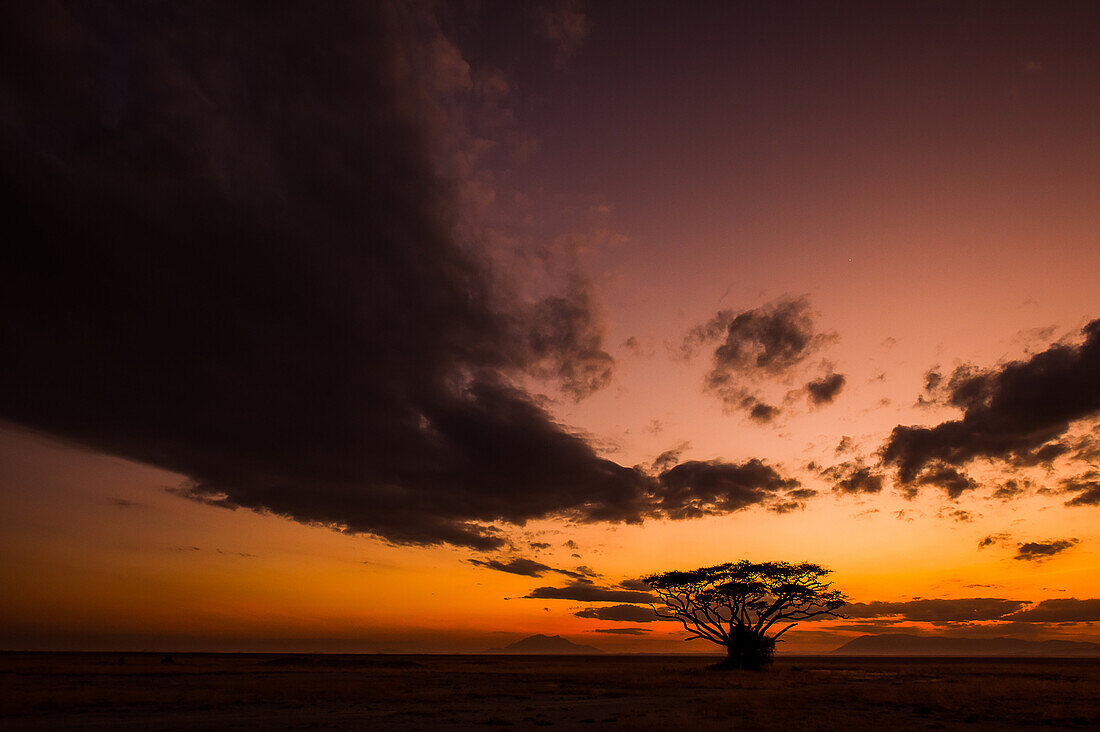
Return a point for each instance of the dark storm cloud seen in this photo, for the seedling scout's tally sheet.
(1010, 413)
(234, 261)
(623, 631)
(1038, 551)
(1061, 610)
(853, 477)
(765, 342)
(937, 610)
(620, 613)
(586, 591)
(825, 390)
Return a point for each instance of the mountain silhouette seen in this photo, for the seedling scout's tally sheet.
(546, 644)
(902, 644)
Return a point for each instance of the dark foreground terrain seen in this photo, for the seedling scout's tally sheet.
(199, 691)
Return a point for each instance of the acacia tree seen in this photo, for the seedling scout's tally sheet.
(737, 604)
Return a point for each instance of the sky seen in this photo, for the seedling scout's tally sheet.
(423, 327)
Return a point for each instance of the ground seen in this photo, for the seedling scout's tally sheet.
(199, 691)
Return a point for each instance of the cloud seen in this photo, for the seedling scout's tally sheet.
(635, 584)
(529, 567)
(937, 610)
(620, 613)
(1061, 610)
(1011, 488)
(566, 343)
(1039, 551)
(1010, 413)
(623, 631)
(992, 539)
(954, 482)
(586, 591)
(762, 343)
(826, 389)
(564, 24)
(537, 545)
(669, 457)
(275, 305)
(519, 565)
(1087, 488)
(852, 477)
(700, 488)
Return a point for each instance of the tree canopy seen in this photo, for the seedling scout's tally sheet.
(738, 604)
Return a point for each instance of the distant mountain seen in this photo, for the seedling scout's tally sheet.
(901, 644)
(546, 644)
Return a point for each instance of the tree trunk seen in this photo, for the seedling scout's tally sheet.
(748, 651)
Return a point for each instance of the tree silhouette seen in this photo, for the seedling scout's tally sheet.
(737, 604)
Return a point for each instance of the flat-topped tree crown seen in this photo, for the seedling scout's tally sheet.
(737, 604)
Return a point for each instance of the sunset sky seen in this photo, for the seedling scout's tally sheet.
(422, 326)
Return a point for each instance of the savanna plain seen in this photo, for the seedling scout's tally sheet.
(262, 691)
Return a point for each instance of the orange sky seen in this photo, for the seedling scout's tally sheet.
(927, 185)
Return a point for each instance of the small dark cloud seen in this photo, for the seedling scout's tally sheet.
(701, 488)
(186, 549)
(634, 584)
(125, 503)
(519, 565)
(782, 507)
(844, 445)
(1011, 488)
(1087, 488)
(669, 457)
(1039, 551)
(961, 516)
(992, 539)
(937, 610)
(537, 545)
(762, 343)
(1010, 413)
(826, 389)
(620, 613)
(586, 591)
(951, 480)
(530, 568)
(761, 412)
(623, 631)
(853, 478)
